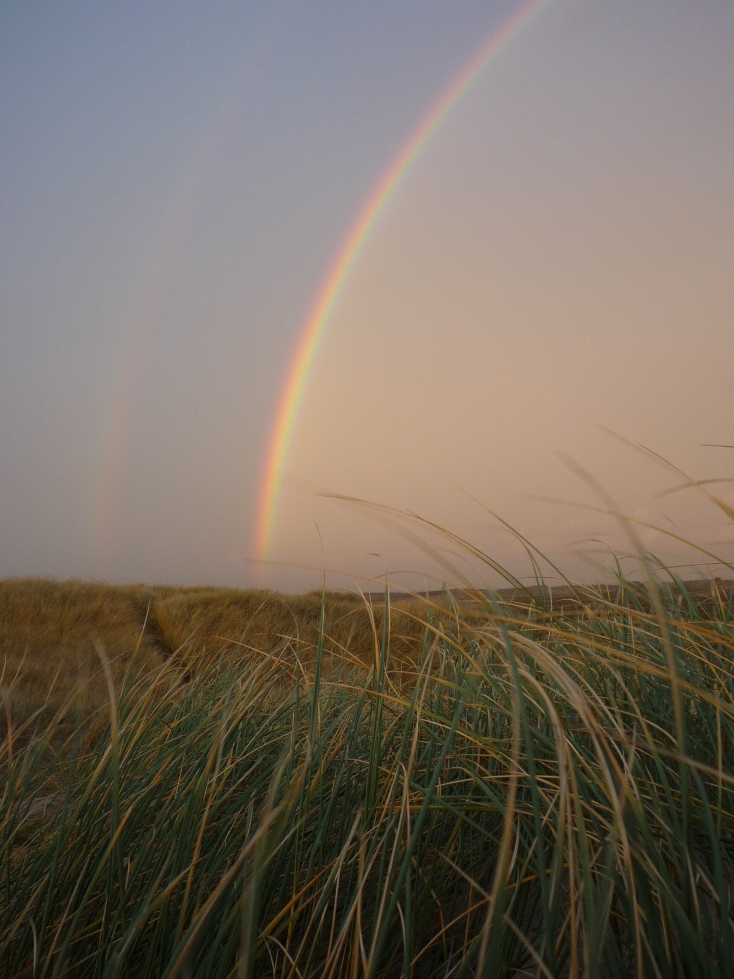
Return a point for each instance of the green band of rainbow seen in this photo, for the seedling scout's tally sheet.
(314, 327)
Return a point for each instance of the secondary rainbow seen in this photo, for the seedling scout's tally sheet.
(318, 318)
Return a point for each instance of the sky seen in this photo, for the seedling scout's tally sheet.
(547, 288)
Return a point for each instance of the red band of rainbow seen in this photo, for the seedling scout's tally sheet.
(314, 327)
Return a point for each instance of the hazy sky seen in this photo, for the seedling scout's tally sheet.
(176, 180)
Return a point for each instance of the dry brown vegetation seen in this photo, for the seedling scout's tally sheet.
(48, 632)
(51, 633)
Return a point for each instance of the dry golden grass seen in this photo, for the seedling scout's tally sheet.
(209, 623)
(48, 634)
(51, 633)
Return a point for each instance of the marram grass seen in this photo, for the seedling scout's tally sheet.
(537, 791)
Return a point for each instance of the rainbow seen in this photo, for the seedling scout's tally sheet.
(332, 286)
(116, 422)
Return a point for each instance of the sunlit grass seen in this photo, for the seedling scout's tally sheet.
(536, 790)
(49, 631)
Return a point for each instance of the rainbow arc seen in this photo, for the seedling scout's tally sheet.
(315, 325)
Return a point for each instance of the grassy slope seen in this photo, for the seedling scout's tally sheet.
(47, 639)
(541, 791)
(50, 632)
